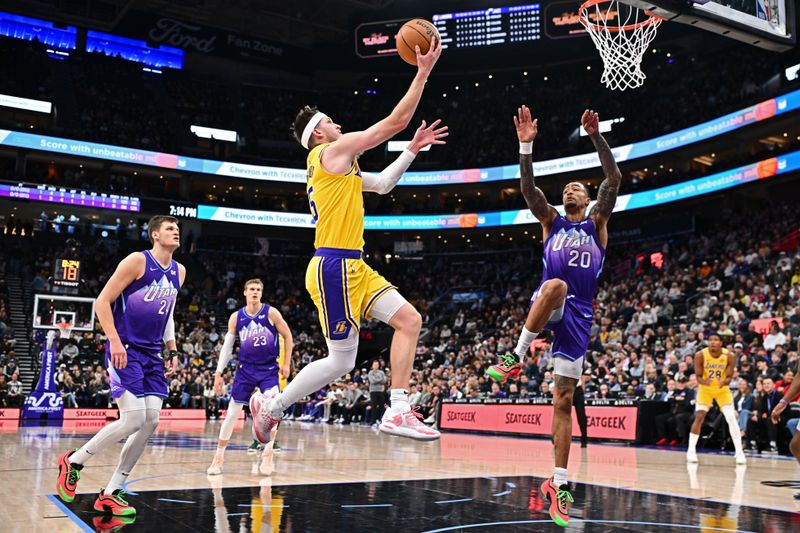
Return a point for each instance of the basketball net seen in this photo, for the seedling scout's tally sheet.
(622, 34)
(64, 329)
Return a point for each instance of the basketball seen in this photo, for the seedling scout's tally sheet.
(415, 32)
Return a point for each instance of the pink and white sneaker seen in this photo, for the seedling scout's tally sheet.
(407, 424)
(262, 421)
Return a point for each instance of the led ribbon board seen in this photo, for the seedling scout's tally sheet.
(701, 132)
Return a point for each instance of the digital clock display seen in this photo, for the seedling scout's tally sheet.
(67, 272)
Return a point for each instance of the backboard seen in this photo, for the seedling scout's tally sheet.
(769, 24)
(51, 309)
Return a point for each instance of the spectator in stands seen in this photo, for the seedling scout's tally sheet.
(743, 404)
(14, 391)
(3, 391)
(775, 337)
(377, 396)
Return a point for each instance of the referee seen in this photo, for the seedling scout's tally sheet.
(579, 402)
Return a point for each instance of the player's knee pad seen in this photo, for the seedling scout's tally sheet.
(133, 420)
(342, 357)
(387, 305)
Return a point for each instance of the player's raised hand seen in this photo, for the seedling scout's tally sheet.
(425, 62)
(527, 128)
(119, 356)
(427, 135)
(590, 122)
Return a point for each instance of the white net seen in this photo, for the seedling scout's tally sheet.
(64, 330)
(622, 34)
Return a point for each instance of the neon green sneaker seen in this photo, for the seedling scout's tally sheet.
(560, 498)
(509, 367)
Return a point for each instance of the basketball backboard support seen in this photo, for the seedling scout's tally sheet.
(769, 24)
(51, 309)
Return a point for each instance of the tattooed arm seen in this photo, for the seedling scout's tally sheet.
(607, 194)
(534, 197)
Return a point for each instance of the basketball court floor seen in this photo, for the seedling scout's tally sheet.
(354, 479)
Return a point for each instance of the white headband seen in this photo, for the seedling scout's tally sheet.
(315, 120)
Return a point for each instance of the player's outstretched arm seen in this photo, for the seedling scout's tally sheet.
(225, 354)
(349, 145)
(607, 194)
(129, 270)
(384, 182)
(288, 343)
(527, 129)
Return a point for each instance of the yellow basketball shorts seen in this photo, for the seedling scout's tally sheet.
(706, 395)
(344, 288)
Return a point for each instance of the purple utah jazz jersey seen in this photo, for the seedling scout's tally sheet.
(258, 339)
(572, 253)
(142, 310)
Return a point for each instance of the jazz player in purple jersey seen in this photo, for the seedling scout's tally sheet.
(574, 251)
(135, 311)
(258, 327)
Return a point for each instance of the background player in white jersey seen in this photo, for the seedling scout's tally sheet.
(574, 252)
(257, 326)
(143, 290)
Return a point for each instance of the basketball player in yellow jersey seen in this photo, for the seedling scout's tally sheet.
(343, 287)
(714, 369)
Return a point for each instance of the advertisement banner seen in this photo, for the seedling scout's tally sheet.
(701, 132)
(612, 423)
(627, 202)
(45, 401)
(7, 413)
(198, 39)
(103, 414)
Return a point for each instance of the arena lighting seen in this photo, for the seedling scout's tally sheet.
(792, 73)
(399, 146)
(214, 133)
(26, 104)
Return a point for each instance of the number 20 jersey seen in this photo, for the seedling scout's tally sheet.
(573, 254)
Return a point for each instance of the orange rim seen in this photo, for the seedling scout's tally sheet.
(630, 27)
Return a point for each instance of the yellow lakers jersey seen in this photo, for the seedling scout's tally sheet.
(714, 367)
(337, 204)
(281, 358)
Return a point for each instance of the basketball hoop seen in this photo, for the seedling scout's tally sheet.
(621, 40)
(64, 329)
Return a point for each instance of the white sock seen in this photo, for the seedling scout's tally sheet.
(399, 400)
(524, 343)
(693, 442)
(117, 481)
(559, 476)
(221, 449)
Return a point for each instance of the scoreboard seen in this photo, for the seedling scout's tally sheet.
(66, 272)
(490, 26)
(46, 193)
(482, 27)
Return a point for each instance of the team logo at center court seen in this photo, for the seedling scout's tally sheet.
(341, 327)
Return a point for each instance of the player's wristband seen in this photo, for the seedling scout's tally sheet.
(783, 402)
(526, 148)
(174, 353)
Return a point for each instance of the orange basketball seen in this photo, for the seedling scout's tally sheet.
(415, 32)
